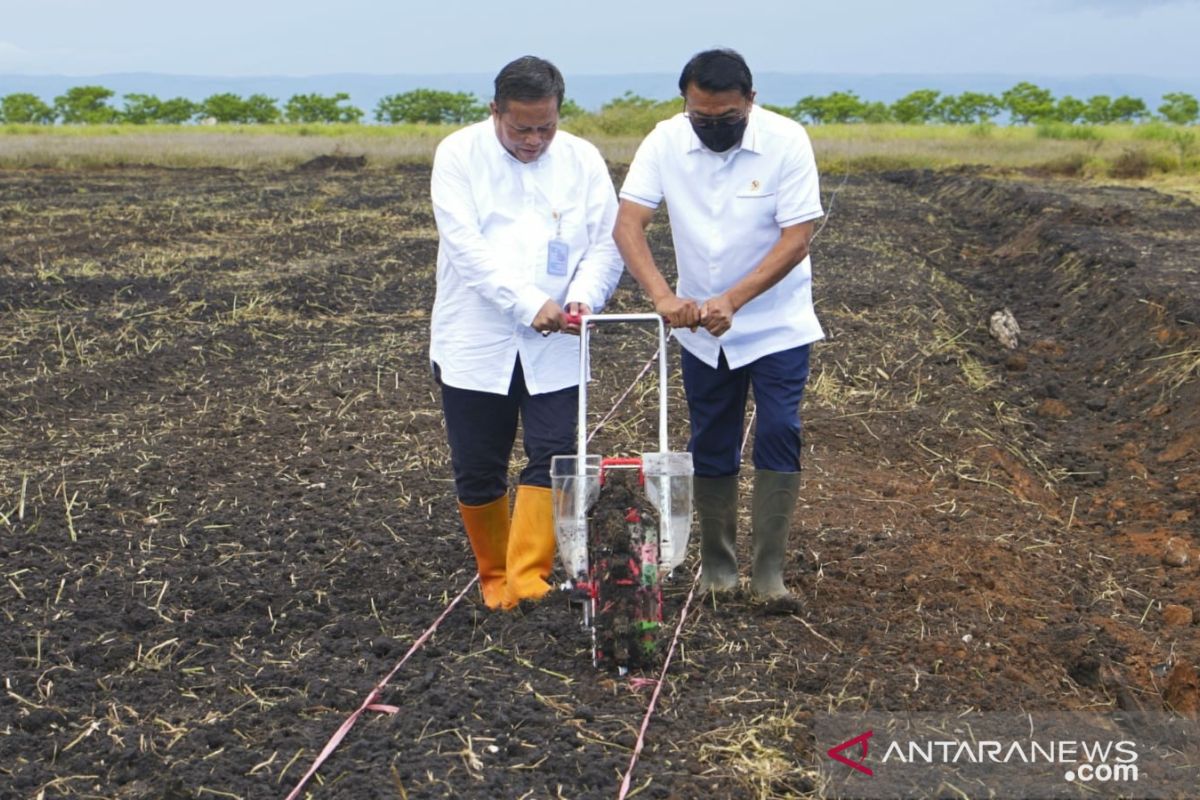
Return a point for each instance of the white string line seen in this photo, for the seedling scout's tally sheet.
(829, 213)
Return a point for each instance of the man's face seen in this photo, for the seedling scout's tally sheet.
(526, 127)
(716, 109)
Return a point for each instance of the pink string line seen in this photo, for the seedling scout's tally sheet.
(662, 676)
(369, 703)
(621, 399)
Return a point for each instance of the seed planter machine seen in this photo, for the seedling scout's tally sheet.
(622, 525)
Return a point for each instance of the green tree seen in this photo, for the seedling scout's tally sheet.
(787, 111)
(635, 103)
(141, 109)
(968, 107)
(176, 111)
(1179, 108)
(1128, 109)
(876, 112)
(631, 114)
(916, 108)
(430, 106)
(1099, 110)
(86, 105)
(228, 107)
(26, 109)
(320, 108)
(832, 108)
(570, 108)
(1069, 109)
(1027, 103)
(260, 109)
(225, 107)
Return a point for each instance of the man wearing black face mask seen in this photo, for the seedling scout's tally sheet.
(742, 187)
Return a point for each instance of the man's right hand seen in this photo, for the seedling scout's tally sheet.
(550, 318)
(678, 312)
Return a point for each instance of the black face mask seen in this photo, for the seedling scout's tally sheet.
(722, 136)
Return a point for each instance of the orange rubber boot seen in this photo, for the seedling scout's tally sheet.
(487, 528)
(530, 544)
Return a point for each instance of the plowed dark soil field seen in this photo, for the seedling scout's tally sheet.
(226, 509)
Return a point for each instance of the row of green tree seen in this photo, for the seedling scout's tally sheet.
(89, 105)
(1024, 103)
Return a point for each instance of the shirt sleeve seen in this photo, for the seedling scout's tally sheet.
(468, 252)
(799, 190)
(600, 268)
(643, 183)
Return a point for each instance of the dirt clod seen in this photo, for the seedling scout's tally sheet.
(1175, 553)
(1182, 692)
(1177, 616)
(1053, 408)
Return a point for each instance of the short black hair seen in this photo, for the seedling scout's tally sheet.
(529, 78)
(717, 70)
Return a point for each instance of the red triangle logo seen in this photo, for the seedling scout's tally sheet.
(861, 740)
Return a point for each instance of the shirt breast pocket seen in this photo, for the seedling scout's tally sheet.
(756, 194)
(754, 204)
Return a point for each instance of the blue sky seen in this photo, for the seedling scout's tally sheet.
(310, 37)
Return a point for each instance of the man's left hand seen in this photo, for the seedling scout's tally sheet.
(716, 315)
(575, 310)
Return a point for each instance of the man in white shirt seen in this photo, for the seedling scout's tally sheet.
(525, 216)
(741, 183)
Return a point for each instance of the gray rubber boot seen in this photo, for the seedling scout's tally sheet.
(771, 520)
(716, 509)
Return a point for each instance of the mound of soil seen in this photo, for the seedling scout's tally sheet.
(623, 539)
(226, 507)
(333, 163)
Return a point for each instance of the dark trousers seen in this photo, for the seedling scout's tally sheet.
(482, 427)
(716, 401)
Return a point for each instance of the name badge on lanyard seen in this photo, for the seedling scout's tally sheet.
(558, 252)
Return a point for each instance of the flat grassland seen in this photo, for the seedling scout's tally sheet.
(1154, 151)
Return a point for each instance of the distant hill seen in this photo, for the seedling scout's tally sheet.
(591, 91)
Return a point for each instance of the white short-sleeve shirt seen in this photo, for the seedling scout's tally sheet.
(496, 217)
(726, 213)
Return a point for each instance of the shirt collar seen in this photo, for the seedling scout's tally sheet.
(749, 138)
